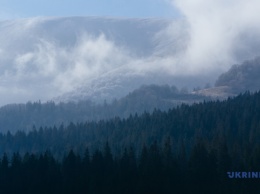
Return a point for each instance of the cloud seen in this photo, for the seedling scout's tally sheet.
(64, 68)
(38, 62)
(42, 58)
(40, 67)
(89, 58)
(221, 32)
(34, 66)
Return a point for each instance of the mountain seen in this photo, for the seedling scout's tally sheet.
(41, 58)
(117, 84)
(101, 58)
(241, 78)
(90, 58)
(238, 79)
(98, 58)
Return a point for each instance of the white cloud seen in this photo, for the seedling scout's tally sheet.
(89, 58)
(49, 69)
(40, 61)
(221, 32)
(42, 68)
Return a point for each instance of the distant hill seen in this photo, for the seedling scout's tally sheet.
(14, 117)
(238, 79)
(241, 78)
(150, 97)
(83, 58)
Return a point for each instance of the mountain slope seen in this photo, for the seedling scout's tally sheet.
(14, 117)
(96, 58)
(243, 77)
(41, 58)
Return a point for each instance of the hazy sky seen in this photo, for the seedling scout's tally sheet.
(115, 8)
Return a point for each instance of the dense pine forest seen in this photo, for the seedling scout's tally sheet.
(14, 117)
(156, 170)
(187, 149)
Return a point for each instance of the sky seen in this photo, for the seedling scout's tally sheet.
(113, 8)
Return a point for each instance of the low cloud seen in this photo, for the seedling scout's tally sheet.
(209, 37)
(221, 32)
(38, 65)
(50, 69)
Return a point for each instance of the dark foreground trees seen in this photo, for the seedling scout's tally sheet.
(156, 170)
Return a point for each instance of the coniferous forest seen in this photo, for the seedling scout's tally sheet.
(14, 117)
(187, 149)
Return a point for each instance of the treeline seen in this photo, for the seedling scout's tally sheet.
(15, 117)
(188, 149)
(156, 170)
(237, 120)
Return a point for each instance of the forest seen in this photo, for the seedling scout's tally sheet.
(187, 149)
(156, 170)
(14, 117)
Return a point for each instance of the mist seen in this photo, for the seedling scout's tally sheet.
(42, 58)
(222, 33)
